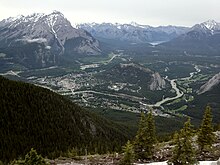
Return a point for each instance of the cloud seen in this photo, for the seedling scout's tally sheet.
(152, 12)
(37, 40)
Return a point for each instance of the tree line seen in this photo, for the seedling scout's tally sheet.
(188, 143)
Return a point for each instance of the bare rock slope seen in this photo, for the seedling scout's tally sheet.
(214, 81)
(46, 37)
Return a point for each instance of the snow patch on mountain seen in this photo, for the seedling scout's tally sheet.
(53, 32)
(35, 17)
(133, 32)
(211, 25)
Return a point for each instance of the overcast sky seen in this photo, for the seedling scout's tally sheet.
(151, 12)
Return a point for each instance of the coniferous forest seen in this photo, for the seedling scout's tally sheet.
(109, 82)
(34, 117)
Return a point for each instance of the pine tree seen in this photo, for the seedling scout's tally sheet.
(151, 131)
(183, 152)
(129, 155)
(206, 137)
(176, 150)
(146, 137)
(31, 158)
(140, 138)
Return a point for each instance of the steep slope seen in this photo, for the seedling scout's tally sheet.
(133, 32)
(35, 117)
(202, 38)
(208, 94)
(201, 101)
(214, 81)
(135, 74)
(49, 36)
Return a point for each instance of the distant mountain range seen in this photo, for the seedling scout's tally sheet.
(203, 38)
(39, 40)
(42, 40)
(133, 32)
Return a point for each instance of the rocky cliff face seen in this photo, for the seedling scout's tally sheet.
(214, 81)
(51, 34)
(157, 82)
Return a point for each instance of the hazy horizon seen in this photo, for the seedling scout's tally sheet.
(145, 12)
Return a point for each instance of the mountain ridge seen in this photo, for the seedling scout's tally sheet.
(35, 117)
(132, 32)
(52, 34)
(203, 38)
(210, 84)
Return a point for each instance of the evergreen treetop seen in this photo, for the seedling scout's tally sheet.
(129, 154)
(146, 137)
(31, 158)
(206, 137)
(183, 152)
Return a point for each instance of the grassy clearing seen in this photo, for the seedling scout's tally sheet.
(184, 107)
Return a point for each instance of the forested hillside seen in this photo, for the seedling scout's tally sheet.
(34, 117)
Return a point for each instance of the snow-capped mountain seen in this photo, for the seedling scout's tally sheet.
(208, 28)
(211, 25)
(201, 38)
(50, 35)
(133, 32)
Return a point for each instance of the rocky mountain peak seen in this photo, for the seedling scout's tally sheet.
(57, 12)
(157, 82)
(208, 26)
(211, 24)
(53, 31)
(33, 20)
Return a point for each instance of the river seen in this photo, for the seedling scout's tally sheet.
(173, 84)
(179, 93)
